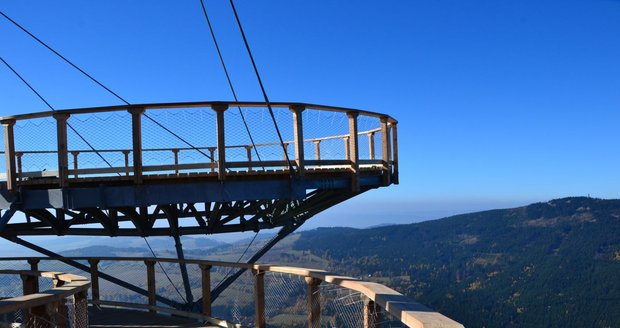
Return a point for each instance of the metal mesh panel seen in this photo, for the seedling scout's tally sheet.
(285, 300)
(324, 134)
(128, 271)
(236, 303)
(35, 138)
(10, 285)
(368, 130)
(341, 307)
(109, 133)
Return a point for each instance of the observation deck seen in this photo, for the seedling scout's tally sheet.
(223, 165)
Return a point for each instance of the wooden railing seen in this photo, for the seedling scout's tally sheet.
(378, 300)
(216, 164)
(49, 308)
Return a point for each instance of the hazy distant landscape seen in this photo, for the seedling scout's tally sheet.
(551, 264)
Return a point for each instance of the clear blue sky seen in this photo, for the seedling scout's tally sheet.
(500, 103)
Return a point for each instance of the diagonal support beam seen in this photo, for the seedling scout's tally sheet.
(4, 219)
(173, 220)
(85, 268)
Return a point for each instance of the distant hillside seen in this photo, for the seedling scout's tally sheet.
(553, 264)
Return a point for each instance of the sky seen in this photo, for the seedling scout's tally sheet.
(499, 103)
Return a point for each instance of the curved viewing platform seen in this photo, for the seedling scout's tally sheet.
(222, 165)
(127, 291)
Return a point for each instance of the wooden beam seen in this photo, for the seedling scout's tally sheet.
(298, 136)
(314, 302)
(395, 151)
(206, 289)
(221, 141)
(259, 297)
(94, 278)
(136, 135)
(354, 150)
(63, 155)
(150, 280)
(9, 153)
(385, 151)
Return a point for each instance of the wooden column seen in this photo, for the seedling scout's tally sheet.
(395, 151)
(212, 155)
(19, 155)
(126, 155)
(372, 314)
(34, 264)
(221, 142)
(259, 297)
(62, 313)
(314, 302)
(385, 151)
(9, 153)
(75, 163)
(30, 284)
(175, 153)
(317, 149)
(354, 151)
(248, 150)
(63, 155)
(298, 136)
(136, 135)
(347, 151)
(150, 280)
(371, 145)
(206, 289)
(94, 279)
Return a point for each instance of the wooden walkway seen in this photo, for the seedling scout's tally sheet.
(105, 317)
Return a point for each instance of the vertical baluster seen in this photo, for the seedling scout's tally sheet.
(372, 314)
(212, 155)
(94, 279)
(9, 153)
(347, 148)
(371, 145)
(150, 280)
(19, 165)
(126, 154)
(317, 150)
(354, 150)
(298, 137)
(63, 155)
(136, 135)
(221, 142)
(175, 153)
(206, 289)
(385, 151)
(75, 163)
(248, 150)
(395, 151)
(314, 302)
(259, 297)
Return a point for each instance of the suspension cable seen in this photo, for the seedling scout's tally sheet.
(52, 108)
(262, 88)
(232, 89)
(63, 58)
(94, 80)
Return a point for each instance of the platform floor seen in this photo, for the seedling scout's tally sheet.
(105, 317)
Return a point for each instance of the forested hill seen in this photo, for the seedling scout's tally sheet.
(554, 264)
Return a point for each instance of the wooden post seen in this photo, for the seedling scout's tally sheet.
(314, 302)
(371, 145)
(61, 307)
(9, 153)
(347, 150)
(385, 151)
(317, 149)
(259, 297)
(248, 150)
(354, 150)
(175, 152)
(298, 136)
(221, 142)
(126, 153)
(75, 163)
(136, 135)
(212, 155)
(34, 264)
(150, 280)
(63, 155)
(19, 165)
(206, 289)
(94, 279)
(372, 314)
(395, 151)
(30, 284)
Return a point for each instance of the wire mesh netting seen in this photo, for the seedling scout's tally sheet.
(236, 303)
(32, 139)
(132, 272)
